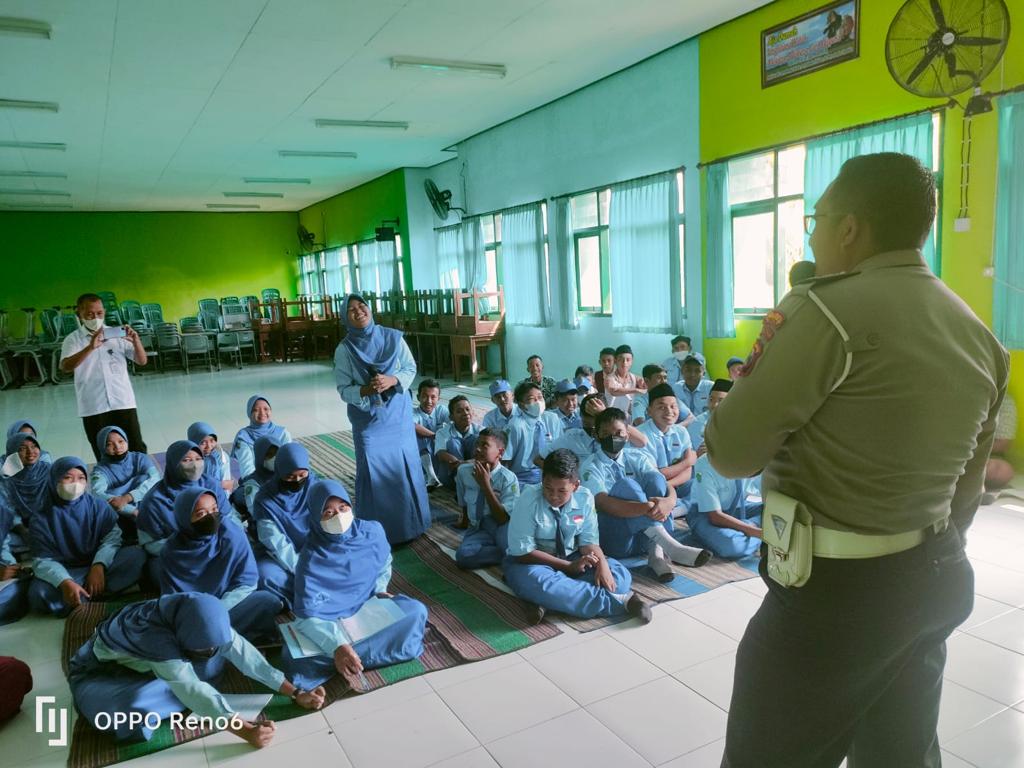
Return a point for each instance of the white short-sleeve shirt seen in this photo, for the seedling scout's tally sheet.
(102, 383)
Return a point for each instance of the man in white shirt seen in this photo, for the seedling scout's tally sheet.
(99, 356)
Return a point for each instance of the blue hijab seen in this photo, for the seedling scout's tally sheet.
(259, 453)
(167, 627)
(156, 510)
(198, 432)
(337, 573)
(16, 426)
(370, 346)
(254, 431)
(213, 564)
(29, 489)
(288, 509)
(70, 532)
(120, 472)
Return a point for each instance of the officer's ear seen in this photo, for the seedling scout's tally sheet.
(850, 230)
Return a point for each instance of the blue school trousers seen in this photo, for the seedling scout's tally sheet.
(14, 601)
(555, 591)
(124, 572)
(253, 618)
(624, 536)
(726, 542)
(484, 544)
(275, 579)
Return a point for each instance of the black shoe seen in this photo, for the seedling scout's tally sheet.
(638, 609)
(535, 614)
(702, 558)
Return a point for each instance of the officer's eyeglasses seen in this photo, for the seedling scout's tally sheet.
(811, 219)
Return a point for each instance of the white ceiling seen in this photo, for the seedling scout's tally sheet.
(167, 104)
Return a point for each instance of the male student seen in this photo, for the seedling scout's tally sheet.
(719, 389)
(486, 492)
(567, 405)
(722, 519)
(681, 348)
(623, 385)
(734, 367)
(669, 445)
(581, 440)
(504, 405)
(606, 360)
(535, 369)
(694, 389)
(455, 440)
(429, 416)
(530, 431)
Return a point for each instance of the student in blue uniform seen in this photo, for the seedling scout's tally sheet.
(719, 389)
(282, 520)
(25, 426)
(668, 444)
(681, 349)
(121, 477)
(77, 545)
(634, 502)
(344, 565)
(567, 409)
(26, 491)
(583, 378)
(264, 453)
(486, 492)
(208, 556)
(694, 389)
(455, 440)
(734, 367)
(428, 417)
(14, 598)
(555, 561)
(581, 441)
(374, 369)
(606, 361)
(260, 423)
(217, 463)
(530, 431)
(504, 405)
(167, 655)
(722, 519)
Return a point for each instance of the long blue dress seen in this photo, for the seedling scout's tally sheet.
(389, 475)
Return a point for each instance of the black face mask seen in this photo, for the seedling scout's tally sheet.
(612, 444)
(117, 458)
(292, 485)
(204, 654)
(206, 525)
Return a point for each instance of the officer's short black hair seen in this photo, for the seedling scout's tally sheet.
(607, 416)
(455, 401)
(427, 384)
(894, 193)
(495, 434)
(651, 369)
(523, 389)
(563, 464)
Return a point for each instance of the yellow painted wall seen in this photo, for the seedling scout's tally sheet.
(737, 115)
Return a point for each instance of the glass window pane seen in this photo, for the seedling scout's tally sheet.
(680, 179)
(588, 277)
(682, 263)
(488, 225)
(497, 227)
(544, 217)
(491, 283)
(791, 239)
(604, 202)
(584, 211)
(791, 170)
(936, 143)
(752, 178)
(753, 257)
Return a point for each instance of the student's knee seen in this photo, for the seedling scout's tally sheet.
(623, 578)
(654, 485)
(44, 598)
(628, 489)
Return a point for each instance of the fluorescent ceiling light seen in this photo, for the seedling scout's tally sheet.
(46, 106)
(325, 123)
(26, 27)
(446, 65)
(273, 180)
(55, 145)
(253, 194)
(231, 205)
(32, 175)
(27, 206)
(44, 192)
(312, 153)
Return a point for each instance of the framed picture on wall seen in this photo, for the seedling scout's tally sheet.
(818, 39)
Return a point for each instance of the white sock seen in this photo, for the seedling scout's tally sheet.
(676, 552)
(623, 598)
(429, 475)
(657, 561)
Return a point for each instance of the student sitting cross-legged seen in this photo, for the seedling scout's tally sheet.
(486, 491)
(264, 453)
(581, 441)
(668, 444)
(719, 389)
(121, 477)
(77, 546)
(722, 519)
(428, 417)
(344, 569)
(27, 427)
(260, 423)
(504, 405)
(530, 431)
(455, 440)
(217, 463)
(13, 598)
(27, 490)
(634, 502)
(554, 559)
(163, 656)
(209, 556)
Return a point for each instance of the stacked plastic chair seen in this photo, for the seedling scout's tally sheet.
(153, 313)
(110, 307)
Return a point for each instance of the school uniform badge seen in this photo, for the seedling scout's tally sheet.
(772, 322)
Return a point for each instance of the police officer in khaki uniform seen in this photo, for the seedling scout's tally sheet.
(848, 406)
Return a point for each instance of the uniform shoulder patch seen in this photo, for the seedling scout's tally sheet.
(769, 327)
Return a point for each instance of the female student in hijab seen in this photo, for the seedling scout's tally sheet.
(122, 477)
(260, 424)
(26, 491)
(166, 655)
(156, 520)
(216, 463)
(27, 427)
(345, 563)
(264, 453)
(282, 520)
(206, 556)
(13, 598)
(374, 369)
(77, 545)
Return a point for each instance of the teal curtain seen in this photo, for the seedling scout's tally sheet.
(563, 259)
(1008, 291)
(720, 322)
(525, 272)
(825, 156)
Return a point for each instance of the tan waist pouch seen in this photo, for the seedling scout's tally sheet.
(788, 535)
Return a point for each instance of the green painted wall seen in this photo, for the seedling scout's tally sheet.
(354, 214)
(171, 258)
(737, 115)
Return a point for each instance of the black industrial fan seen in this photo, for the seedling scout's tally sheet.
(307, 240)
(944, 47)
(440, 200)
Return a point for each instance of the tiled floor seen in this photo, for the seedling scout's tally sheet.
(626, 696)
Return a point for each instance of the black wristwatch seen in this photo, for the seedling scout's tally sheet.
(295, 695)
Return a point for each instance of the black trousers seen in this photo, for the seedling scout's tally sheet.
(851, 663)
(127, 419)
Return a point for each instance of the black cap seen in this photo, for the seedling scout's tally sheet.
(662, 390)
(721, 385)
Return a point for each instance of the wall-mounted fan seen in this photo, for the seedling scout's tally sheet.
(945, 47)
(307, 240)
(440, 200)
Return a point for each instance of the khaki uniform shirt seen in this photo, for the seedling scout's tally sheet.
(884, 431)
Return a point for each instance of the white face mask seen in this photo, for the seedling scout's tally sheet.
(93, 323)
(193, 471)
(268, 464)
(338, 524)
(70, 491)
(680, 356)
(535, 409)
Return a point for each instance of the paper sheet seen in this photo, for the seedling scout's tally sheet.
(375, 615)
(300, 646)
(248, 705)
(12, 465)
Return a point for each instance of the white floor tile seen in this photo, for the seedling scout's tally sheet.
(475, 758)
(569, 637)
(986, 668)
(673, 640)
(985, 609)
(189, 755)
(1006, 631)
(729, 614)
(577, 738)
(389, 696)
(18, 737)
(754, 586)
(661, 720)
(320, 748)
(962, 709)
(949, 760)
(506, 701)
(226, 747)
(998, 583)
(712, 679)
(446, 678)
(996, 743)
(708, 756)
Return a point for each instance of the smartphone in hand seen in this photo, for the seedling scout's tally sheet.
(114, 333)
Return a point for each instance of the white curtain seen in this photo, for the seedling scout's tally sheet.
(378, 267)
(640, 225)
(563, 259)
(449, 249)
(524, 271)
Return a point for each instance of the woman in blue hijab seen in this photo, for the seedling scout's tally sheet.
(26, 491)
(77, 545)
(217, 463)
(344, 567)
(28, 427)
(166, 655)
(260, 425)
(216, 559)
(374, 369)
(122, 477)
(282, 520)
(14, 598)
(183, 470)
(264, 453)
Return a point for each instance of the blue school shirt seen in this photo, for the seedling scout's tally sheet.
(697, 400)
(576, 440)
(432, 421)
(713, 492)
(673, 368)
(468, 494)
(456, 443)
(533, 522)
(665, 448)
(641, 403)
(696, 429)
(600, 471)
(495, 419)
(529, 437)
(568, 422)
